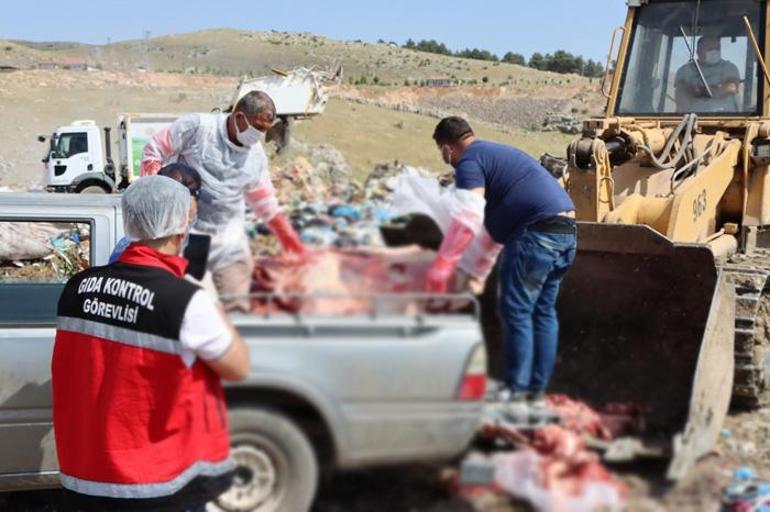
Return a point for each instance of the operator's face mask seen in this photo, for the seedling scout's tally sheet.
(712, 57)
(250, 136)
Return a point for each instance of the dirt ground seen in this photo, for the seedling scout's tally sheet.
(420, 488)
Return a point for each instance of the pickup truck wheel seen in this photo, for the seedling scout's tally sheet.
(276, 468)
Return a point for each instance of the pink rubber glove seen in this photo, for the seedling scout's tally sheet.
(439, 275)
(458, 238)
(149, 167)
(288, 238)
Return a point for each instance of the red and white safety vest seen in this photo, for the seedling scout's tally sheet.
(131, 420)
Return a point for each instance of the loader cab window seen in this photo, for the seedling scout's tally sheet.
(70, 144)
(684, 58)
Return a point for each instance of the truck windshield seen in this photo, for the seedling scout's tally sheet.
(70, 144)
(688, 56)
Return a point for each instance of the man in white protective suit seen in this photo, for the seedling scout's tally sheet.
(227, 150)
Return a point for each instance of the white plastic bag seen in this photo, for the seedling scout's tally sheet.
(418, 194)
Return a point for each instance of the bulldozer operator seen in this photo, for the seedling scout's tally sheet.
(721, 75)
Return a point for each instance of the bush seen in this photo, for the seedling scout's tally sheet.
(485, 79)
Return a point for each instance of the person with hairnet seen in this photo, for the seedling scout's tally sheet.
(227, 151)
(185, 175)
(138, 406)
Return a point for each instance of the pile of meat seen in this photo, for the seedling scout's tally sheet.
(344, 282)
(552, 468)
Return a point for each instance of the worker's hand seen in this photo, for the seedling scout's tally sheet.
(439, 275)
(699, 91)
(726, 89)
(476, 285)
(462, 282)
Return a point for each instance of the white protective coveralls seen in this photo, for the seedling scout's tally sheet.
(232, 175)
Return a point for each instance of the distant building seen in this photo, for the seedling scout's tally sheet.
(74, 64)
(441, 82)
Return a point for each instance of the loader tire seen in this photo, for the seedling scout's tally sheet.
(276, 467)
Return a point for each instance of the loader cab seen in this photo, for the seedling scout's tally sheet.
(685, 56)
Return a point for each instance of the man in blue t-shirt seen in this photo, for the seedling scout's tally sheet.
(533, 217)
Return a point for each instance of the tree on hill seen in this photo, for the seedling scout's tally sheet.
(564, 62)
(593, 69)
(429, 46)
(537, 61)
(561, 61)
(515, 58)
(475, 53)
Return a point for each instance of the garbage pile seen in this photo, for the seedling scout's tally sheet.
(328, 209)
(45, 251)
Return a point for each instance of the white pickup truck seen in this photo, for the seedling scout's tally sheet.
(323, 393)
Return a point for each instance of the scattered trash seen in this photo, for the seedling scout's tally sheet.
(43, 250)
(746, 493)
(745, 448)
(477, 469)
(743, 473)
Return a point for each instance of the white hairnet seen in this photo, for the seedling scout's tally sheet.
(155, 207)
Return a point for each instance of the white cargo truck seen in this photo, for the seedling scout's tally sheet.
(78, 160)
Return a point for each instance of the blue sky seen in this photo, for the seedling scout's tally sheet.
(524, 26)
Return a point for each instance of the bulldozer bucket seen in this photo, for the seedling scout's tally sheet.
(646, 320)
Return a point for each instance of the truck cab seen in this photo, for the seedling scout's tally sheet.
(75, 160)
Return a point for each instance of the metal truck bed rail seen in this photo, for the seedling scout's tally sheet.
(430, 305)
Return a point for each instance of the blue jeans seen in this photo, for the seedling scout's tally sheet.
(532, 267)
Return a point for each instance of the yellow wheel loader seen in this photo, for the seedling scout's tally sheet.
(664, 303)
